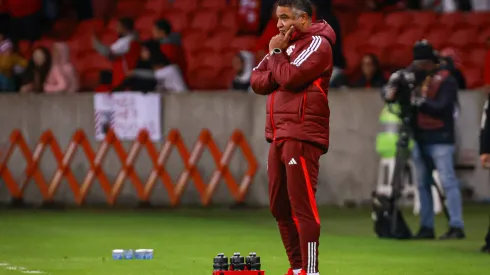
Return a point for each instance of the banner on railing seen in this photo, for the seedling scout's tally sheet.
(127, 113)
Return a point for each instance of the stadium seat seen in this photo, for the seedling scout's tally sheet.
(242, 43)
(108, 38)
(463, 38)
(228, 20)
(157, 6)
(213, 4)
(477, 56)
(178, 19)
(205, 21)
(204, 79)
(370, 21)
(355, 39)
(145, 23)
(399, 57)
(129, 8)
(398, 20)
(478, 19)
(438, 37)
(185, 5)
(44, 42)
(473, 77)
(192, 41)
(87, 27)
(484, 36)
(217, 41)
(353, 60)
(112, 25)
(423, 20)
(409, 37)
(382, 39)
(453, 21)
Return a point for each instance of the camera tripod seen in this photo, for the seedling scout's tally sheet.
(401, 157)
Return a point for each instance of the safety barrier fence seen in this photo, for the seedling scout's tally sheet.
(143, 187)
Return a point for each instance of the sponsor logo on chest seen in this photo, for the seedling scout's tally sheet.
(290, 50)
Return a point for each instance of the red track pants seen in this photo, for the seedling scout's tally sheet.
(293, 172)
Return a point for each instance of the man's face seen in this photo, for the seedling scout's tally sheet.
(119, 28)
(286, 19)
(157, 33)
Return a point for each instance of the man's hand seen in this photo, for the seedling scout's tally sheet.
(485, 160)
(280, 41)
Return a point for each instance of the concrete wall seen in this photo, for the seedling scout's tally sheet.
(348, 171)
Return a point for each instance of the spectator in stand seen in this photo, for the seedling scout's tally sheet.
(11, 64)
(25, 18)
(372, 75)
(170, 44)
(243, 64)
(41, 76)
(450, 60)
(124, 52)
(486, 72)
(62, 63)
(156, 72)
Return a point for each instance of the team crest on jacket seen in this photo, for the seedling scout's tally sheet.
(289, 51)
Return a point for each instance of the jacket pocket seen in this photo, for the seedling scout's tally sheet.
(302, 106)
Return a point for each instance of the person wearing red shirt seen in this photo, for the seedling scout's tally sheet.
(124, 52)
(25, 19)
(170, 44)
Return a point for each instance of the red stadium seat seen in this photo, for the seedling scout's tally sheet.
(400, 57)
(438, 37)
(157, 6)
(145, 23)
(185, 5)
(205, 21)
(193, 41)
(463, 38)
(370, 21)
(473, 77)
(213, 4)
(243, 43)
(478, 19)
(204, 79)
(353, 60)
(229, 20)
(477, 56)
(87, 27)
(484, 36)
(423, 20)
(410, 36)
(453, 21)
(217, 42)
(398, 20)
(382, 39)
(355, 39)
(179, 20)
(129, 8)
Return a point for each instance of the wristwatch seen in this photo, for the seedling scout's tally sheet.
(276, 51)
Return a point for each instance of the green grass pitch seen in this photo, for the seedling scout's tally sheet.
(77, 242)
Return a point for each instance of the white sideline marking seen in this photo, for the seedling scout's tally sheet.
(8, 266)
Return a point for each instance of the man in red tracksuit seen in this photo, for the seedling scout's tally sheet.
(295, 75)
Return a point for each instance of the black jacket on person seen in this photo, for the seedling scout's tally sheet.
(434, 122)
(485, 130)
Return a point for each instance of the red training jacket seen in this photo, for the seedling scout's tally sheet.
(486, 71)
(296, 82)
(21, 8)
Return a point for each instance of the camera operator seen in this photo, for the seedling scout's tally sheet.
(432, 99)
(485, 154)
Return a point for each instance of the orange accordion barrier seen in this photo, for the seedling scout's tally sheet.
(143, 187)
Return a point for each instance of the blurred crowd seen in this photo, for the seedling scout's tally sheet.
(158, 57)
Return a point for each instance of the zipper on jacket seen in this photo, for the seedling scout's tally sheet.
(271, 116)
(302, 107)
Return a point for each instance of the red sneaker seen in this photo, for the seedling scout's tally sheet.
(302, 272)
(290, 272)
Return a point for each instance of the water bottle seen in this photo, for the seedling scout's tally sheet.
(237, 262)
(253, 262)
(220, 262)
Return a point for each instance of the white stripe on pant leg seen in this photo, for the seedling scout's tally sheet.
(313, 270)
(309, 258)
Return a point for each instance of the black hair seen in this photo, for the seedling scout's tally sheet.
(303, 5)
(127, 23)
(33, 69)
(164, 25)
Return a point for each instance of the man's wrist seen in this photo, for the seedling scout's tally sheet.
(275, 51)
